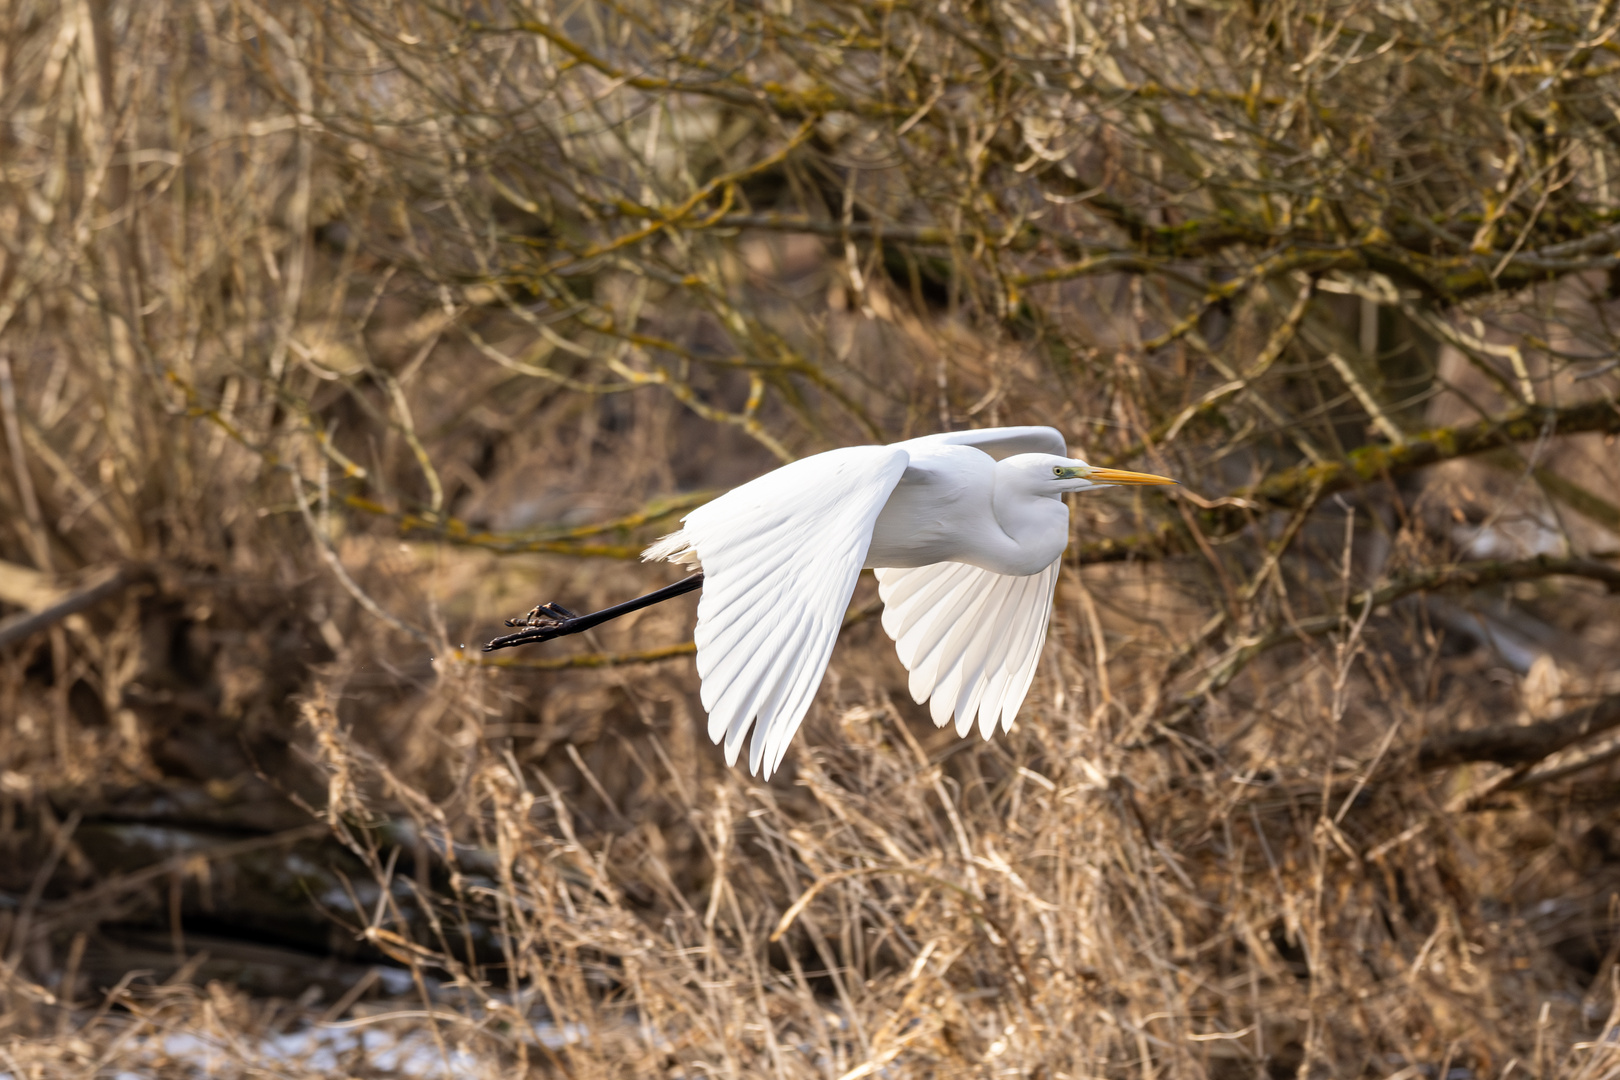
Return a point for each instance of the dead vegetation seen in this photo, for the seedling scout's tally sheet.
(330, 335)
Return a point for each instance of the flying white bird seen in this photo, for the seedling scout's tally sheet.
(965, 531)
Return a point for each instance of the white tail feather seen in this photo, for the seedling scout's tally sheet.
(676, 547)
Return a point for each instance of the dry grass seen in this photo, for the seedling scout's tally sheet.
(331, 335)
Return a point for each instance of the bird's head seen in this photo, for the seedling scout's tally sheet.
(1050, 475)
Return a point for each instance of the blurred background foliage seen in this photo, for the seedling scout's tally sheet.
(331, 335)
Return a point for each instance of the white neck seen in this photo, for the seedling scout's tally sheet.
(1036, 528)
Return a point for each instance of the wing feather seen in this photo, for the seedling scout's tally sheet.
(995, 683)
(1033, 638)
(780, 558)
(918, 640)
(971, 645)
(744, 676)
(795, 703)
(971, 638)
(956, 656)
(1001, 442)
(932, 660)
(1000, 608)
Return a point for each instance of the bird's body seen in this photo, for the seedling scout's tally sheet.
(945, 508)
(964, 530)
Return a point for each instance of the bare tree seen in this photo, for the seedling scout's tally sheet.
(329, 334)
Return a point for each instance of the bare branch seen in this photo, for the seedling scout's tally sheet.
(98, 588)
(1520, 744)
(1427, 448)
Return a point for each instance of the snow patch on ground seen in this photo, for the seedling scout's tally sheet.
(342, 1049)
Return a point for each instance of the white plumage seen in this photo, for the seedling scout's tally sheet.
(969, 637)
(965, 531)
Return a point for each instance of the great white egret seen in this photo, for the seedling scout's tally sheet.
(965, 531)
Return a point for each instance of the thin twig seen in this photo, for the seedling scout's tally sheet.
(1520, 744)
(19, 627)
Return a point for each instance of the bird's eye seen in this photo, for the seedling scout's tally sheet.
(1057, 470)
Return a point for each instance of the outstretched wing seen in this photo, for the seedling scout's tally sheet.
(780, 556)
(1001, 442)
(970, 638)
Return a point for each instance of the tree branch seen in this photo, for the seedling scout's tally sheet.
(1519, 744)
(1289, 487)
(1464, 576)
(21, 626)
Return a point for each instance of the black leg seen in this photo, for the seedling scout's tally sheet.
(553, 620)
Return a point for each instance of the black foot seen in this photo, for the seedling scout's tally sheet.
(542, 623)
(544, 615)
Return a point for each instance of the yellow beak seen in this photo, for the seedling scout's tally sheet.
(1122, 476)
